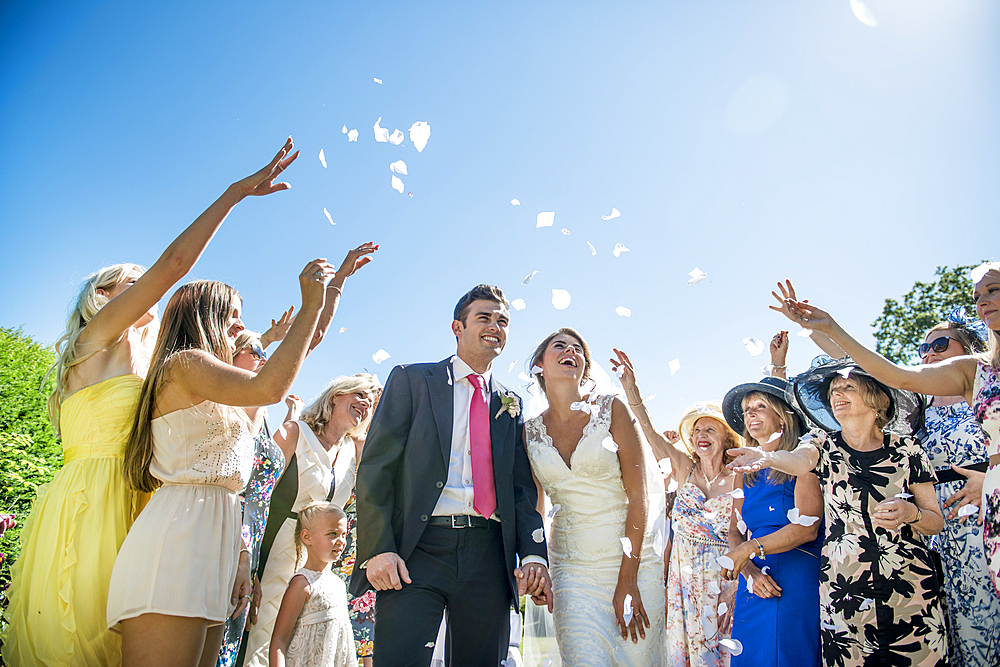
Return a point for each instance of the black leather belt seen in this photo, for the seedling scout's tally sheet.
(459, 521)
(948, 475)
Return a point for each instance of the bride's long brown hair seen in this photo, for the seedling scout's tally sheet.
(196, 318)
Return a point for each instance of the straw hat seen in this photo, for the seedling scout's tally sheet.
(732, 404)
(695, 412)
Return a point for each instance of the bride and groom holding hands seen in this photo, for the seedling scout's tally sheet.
(448, 513)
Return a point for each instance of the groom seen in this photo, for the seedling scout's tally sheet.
(446, 502)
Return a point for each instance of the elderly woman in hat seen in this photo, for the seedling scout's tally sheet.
(700, 523)
(774, 535)
(880, 599)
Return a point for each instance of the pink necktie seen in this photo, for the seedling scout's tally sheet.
(484, 495)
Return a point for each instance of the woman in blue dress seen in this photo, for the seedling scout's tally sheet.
(774, 537)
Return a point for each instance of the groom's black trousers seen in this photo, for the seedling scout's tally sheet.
(459, 568)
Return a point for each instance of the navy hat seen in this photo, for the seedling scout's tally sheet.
(812, 391)
(732, 404)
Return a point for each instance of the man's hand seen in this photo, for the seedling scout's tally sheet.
(533, 579)
(387, 571)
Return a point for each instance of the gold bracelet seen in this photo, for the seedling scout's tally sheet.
(635, 405)
(761, 547)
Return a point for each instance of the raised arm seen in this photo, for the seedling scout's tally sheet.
(951, 377)
(680, 462)
(355, 260)
(128, 307)
(799, 461)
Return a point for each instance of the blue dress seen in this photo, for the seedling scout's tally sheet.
(781, 630)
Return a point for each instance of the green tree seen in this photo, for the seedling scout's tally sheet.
(30, 452)
(903, 325)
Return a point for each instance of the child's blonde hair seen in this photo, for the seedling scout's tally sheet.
(307, 518)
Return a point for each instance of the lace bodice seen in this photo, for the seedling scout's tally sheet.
(986, 405)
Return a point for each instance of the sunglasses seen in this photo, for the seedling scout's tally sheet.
(938, 345)
(256, 351)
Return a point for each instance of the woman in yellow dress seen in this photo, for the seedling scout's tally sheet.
(59, 588)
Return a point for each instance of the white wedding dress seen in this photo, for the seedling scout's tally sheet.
(585, 548)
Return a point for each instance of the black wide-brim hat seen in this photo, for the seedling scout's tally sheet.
(812, 391)
(732, 404)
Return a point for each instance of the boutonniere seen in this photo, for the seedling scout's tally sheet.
(509, 403)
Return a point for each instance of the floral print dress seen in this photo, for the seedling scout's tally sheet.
(701, 535)
(954, 438)
(880, 601)
(361, 610)
(986, 406)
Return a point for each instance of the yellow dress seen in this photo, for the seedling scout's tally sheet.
(69, 541)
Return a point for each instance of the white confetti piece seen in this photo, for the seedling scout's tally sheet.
(555, 508)
(734, 645)
(723, 608)
(830, 626)
(619, 249)
(344, 131)
(904, 496)
(804, 333)
(560, 299)
(343, 329)
(770, 509)
(672, 486)
(845, 372)
(515, 202)
(593, 250)
(620, 371)
(626, 546)
(518, 304)
(396, 138)
(741, 525)
(674, 365)
(609, 444)
(536, 370)
(713, 587)
(420, 132)
(764, 569)
(697, 275)
(378, 81)
(524, 378)
(866, 604)
(736, 493)
(381, 133)
(547, 662)
(538, 535)
(328, 216)
(614, 214)
(380, 356)
(398, 167)
(659, 541)
(627, 609)
(564, 231)
(282, 432)
(545, 219)
(510, 369)
(750, 584)
(397, 184)
(725, 562)
(863, 14)
(649, 398)
(968, 510)
(802, 520)
(429, 645)
(623, 311)
(582, 406)
(352, 135)
(527, 278)
(322, 158)
(753, 345)
(688, 570)
(774, 436)
(976, 274)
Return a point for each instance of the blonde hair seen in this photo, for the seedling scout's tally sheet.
(872, 395)
(196, 318)
(307, 518)
(89, 301)
(246, 338)
(319, 412)
(790, 433)
(991, 356)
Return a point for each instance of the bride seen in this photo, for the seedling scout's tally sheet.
(590, 458)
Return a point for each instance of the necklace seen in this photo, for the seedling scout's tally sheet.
(710, 481)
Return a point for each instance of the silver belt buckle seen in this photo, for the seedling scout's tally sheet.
(455, 525)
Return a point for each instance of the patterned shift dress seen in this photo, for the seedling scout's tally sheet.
(954, 438)
(360, 609)
(880, 601)
(986, 406)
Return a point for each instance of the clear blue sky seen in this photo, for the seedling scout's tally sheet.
(753, 140)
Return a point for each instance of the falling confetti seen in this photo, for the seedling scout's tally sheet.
(396, 138)
(343, 329)
(545, 219)
(564, 231)
(378, 81)
(734, 645)
(515, 202)
(560, 299)
(527, 278)
(397, 184)
(741, 525)
(583, 406)
(420, 132)
(774, 436)
(518, 304)
(627, 609)
(967, 510)
(830, 626)
(904, 496)
(380, 356)
(672, 486)
(687, 569)
(649, 398)
(626, 546)
(713, 587)
(846, 372)
(976, 274)
(750, 584)
(352, 135)
(736, 493)
(726, 562)
(619, 249)
(863, 14)
(381, 133)
(609, 443)
(344, 131)
(805, 333)
(593, 250)
(328, 216)
(536, 370)
(510, 369)
(429, 645)
(802, 520)
(555, 508)
(723, 608)
(753, 345)
(623, 311)
(409, 194)
(697, 275)
(538, 535)
(614, 214)
(523, 377)
(866, 604)
(398, 167)
(674, 365)
(547, 662)
(322, 158)
(764, 569)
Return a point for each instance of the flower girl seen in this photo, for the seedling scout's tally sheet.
(313, 628)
